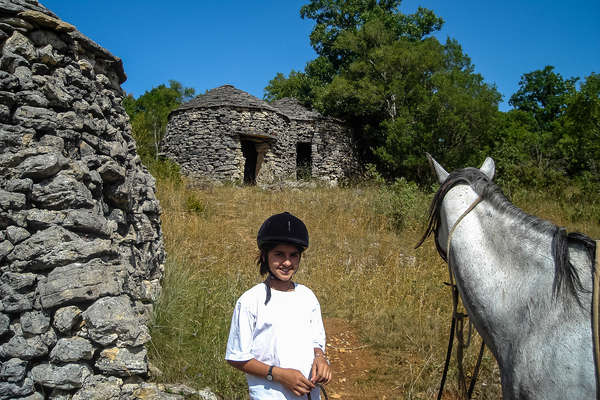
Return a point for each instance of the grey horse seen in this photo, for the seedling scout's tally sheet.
(525, 283)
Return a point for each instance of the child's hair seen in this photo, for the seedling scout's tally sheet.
(262, 260)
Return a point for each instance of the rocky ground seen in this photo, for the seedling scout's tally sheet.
(353, 364)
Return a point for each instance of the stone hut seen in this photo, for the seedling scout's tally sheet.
(81, 248)
(230, 135)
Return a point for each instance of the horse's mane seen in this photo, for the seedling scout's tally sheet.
(566, 276)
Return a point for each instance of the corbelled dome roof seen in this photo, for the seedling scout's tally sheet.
(227, 95)
(294, 110)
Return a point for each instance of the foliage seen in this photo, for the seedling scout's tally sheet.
(550, 140)
(335, 18)
(297, 85)
(148, 114)
(164, 169)
(401, 202)
(407, 98)
(580, 143)
(195, 205)
(543, 93)
(403, 92)
(304, 86)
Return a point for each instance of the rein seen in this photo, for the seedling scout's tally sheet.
(322, 391)
(457, 323)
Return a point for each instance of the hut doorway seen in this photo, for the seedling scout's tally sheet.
(250, 157)
(303, 160)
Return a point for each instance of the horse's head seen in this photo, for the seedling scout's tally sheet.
(455, 195)
(488, 168)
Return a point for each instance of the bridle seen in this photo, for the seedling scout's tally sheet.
(457, 323)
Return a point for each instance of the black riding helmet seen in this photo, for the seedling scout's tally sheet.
(279, 228)
(283, 228)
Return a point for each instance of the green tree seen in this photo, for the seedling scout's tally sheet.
(148, 114)
(298, 85)
(518, 152)
(544, 94)
(551, 136)
(403, 91)
(580, 141)
(332, 19)
(304, 86)
(442, 108)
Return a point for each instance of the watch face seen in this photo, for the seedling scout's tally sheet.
(269, 377)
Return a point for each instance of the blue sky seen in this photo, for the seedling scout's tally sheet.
(207, 43)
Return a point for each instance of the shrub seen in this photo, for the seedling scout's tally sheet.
(403, 203)
(195, 205)
(164, 169)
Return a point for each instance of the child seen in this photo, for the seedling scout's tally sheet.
(277, 336)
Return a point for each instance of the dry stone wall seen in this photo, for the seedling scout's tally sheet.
(333, 155)
(81, 248)
(205, 142)
(206, 138)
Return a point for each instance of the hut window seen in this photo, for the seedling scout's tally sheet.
(303, 160)
(250, 156)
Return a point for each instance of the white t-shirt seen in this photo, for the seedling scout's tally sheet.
(283, 333)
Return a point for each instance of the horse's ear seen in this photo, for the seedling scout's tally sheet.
(488, 167)
(438, 169)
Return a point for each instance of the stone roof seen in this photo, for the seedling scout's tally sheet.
(18, 6)
(228, 96)
(296, 111)
(34, 15)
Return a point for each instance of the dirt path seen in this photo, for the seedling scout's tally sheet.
(356, 368)
(353, 365)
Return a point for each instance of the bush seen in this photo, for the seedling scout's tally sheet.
(164, 169)
(193, 204)
(403, 203)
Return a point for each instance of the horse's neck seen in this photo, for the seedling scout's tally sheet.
(504, 270)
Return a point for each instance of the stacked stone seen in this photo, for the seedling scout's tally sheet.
(205, 142)
(333, 154)
(204, 137)
(81, 248)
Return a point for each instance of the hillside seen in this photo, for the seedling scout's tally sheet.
(361, 265)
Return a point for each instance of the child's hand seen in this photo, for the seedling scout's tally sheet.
(293, 380)
(321, 370)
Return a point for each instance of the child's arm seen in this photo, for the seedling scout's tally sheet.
(321, 371)
(288, 377)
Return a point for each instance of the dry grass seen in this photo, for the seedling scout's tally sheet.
(359, 268)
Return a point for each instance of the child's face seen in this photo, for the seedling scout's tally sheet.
(284, 260)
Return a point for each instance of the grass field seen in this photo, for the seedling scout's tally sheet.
(361, 264)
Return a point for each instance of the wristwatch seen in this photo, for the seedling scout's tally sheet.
(270, 374)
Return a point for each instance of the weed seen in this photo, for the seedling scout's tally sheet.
(402, 204)
(193, 204)
(164, 169)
